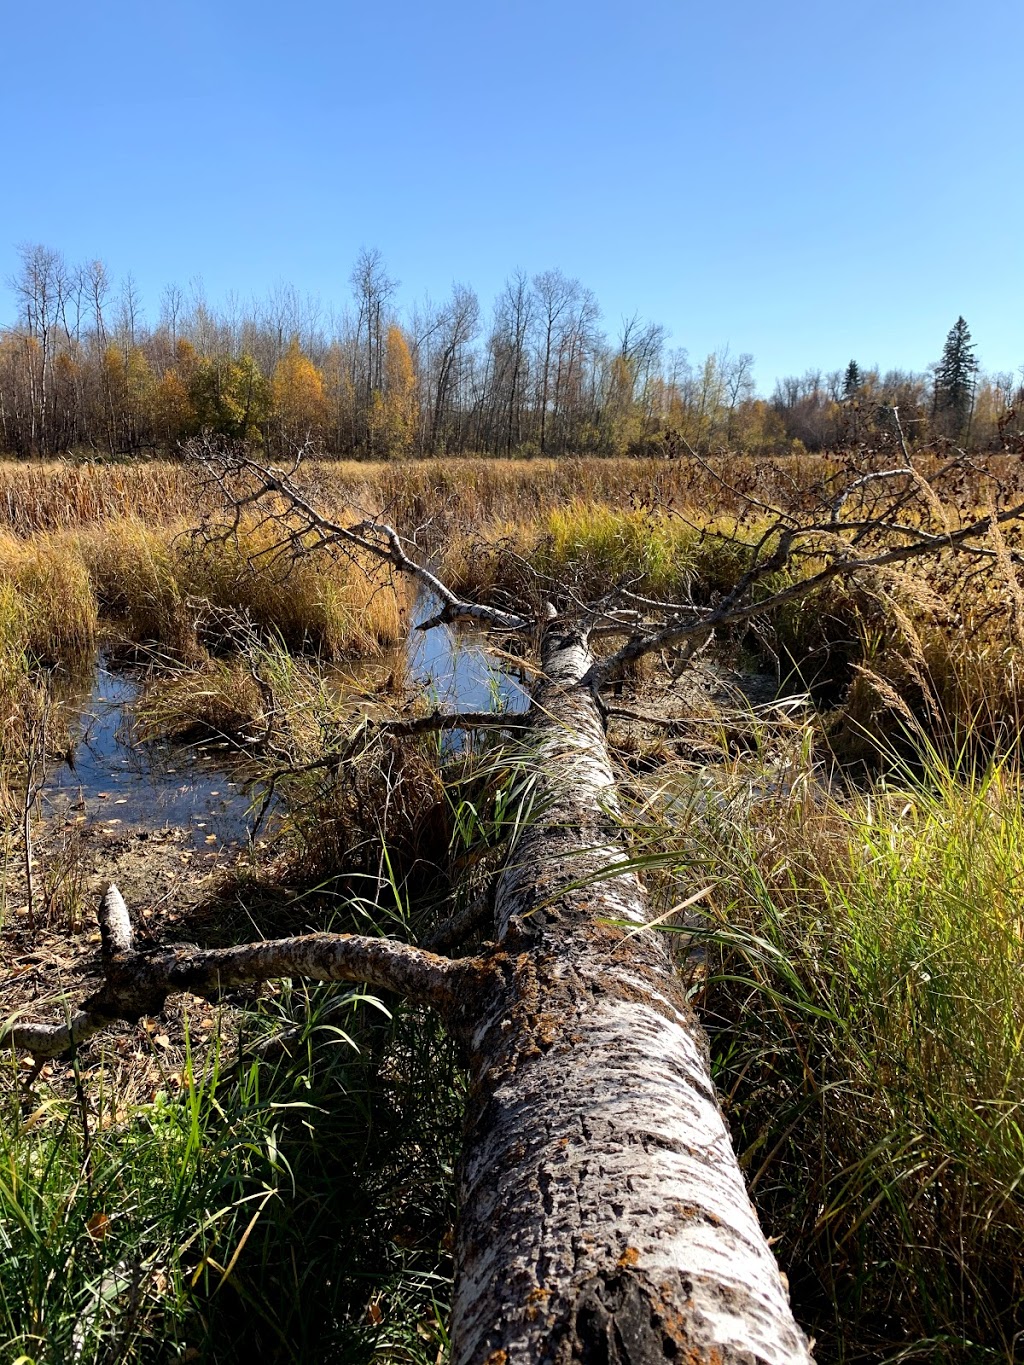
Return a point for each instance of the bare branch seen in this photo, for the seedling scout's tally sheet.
(369, 729)
(245, 483)
(737, 607)
(440, 722)
(880, 534)
(137, 983)
(873, 476)
(744, 497)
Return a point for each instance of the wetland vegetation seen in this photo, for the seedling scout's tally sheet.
(275, 1176)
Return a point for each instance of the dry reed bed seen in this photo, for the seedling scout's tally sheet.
(90, 541)
(58, 495)
(37, 496)
(53, 495)
(160, 586)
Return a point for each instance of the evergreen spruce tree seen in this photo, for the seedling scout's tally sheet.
(954, 379)
(853, 380)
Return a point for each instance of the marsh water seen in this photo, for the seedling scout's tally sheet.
(113, 778)
(455, 671)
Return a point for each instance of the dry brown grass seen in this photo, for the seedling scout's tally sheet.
(57, 495)
(53, 495)
(50, 603)
(937, 652)
(432, 493)
(85, 542)
(157, 585)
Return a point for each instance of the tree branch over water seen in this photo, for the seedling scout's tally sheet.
(244, 485)
(602, 1211)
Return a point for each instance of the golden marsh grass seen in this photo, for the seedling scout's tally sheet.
(863, 945)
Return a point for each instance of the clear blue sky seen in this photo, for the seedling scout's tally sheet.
(807, 181)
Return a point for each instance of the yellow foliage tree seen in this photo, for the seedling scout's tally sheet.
(984, 422)
(758, 429)
(622, 419)
(394, 413)
(231, 397)
(186, 359)
(298, 392)
(174, 417)
(127, 384)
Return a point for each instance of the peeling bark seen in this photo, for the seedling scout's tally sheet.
(603, 1213)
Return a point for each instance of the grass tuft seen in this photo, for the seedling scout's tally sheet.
(281, 1211)
(862, 996)
(58, 615)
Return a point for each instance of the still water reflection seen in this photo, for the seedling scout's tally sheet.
(113, 778)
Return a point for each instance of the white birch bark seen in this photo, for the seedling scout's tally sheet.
(603, 1213)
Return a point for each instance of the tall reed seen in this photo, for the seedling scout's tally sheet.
(863, 960)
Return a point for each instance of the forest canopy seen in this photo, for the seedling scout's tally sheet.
(81, 366)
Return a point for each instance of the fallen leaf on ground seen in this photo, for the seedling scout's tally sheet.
(98, 1226)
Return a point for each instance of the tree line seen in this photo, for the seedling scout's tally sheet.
(81, 367)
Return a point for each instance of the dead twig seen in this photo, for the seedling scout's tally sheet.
(137, 983)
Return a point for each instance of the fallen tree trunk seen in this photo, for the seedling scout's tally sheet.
(603, 1216)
